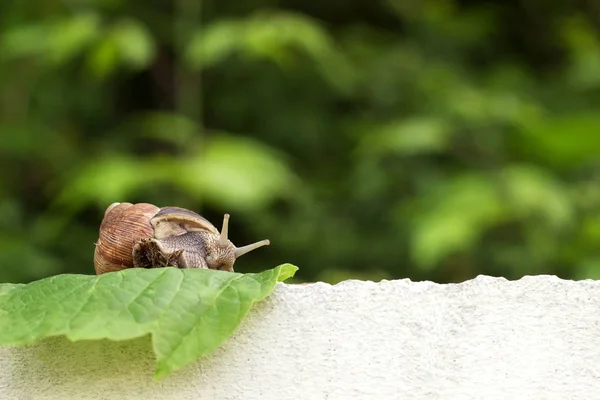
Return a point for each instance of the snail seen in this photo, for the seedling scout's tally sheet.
(143, 235)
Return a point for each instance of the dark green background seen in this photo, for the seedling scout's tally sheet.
(430, 139)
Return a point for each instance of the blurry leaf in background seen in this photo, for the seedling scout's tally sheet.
(127, 43)
(111, 179)
(453, 217)
(584, 46)
(136, 46)
(168, 127)
(235, 172)
(533, 192)
(103, 57)
(55, 42)
(276, 36)
(225, 170)
(214, 43)
(271, 35)
(588, 269)
(408, 136)
(446, 22)
(564, 141)
(586, 239)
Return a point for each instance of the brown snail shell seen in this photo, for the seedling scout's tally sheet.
(145, 236)
(123, 226)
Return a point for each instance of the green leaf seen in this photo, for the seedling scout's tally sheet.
(227, 170)
(235, 172)
(584, 48)
(188, 312)
(116, 177)
(454, 217)
(275, 36)
(566, 141)
(213, 44)
(103, 57)
(409, 136)
(135, 43)
(56, 42)
(169, 127)
(534, 192)
(270, 35)
(127, 43)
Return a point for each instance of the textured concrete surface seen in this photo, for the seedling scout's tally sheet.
(535, 338)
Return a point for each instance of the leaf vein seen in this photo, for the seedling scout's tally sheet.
(87, 300)
(141, 292)
(198, 318)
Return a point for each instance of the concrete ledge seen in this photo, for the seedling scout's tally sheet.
(488, 338)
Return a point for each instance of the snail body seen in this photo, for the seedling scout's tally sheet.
(143, 235)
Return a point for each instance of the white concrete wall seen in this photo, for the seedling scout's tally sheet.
(536, 338)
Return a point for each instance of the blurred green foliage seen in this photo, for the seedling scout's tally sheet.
(431, 139)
